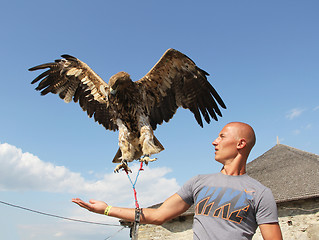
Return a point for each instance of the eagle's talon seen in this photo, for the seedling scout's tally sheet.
(146, 159)
(123, 165)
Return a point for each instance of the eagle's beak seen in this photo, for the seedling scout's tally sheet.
(112, 91)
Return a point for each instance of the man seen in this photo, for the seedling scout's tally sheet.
(228, 205)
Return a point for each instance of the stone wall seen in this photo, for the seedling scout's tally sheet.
(298, 220)
(179, 228)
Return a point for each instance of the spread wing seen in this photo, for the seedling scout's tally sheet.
(175, 81)
(72, 78)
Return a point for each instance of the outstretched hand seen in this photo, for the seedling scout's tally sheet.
(92, 205)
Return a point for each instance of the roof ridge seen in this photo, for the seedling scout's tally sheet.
(298, 150)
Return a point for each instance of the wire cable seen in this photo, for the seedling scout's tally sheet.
(109, 237)
(56, 216)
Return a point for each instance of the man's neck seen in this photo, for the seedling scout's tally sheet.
(232, 172)
(235, 168)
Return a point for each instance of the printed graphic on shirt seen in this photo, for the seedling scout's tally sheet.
(225, 203)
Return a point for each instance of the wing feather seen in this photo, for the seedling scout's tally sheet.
(71, 78)
(175, 81)
(203, 109)
(194, 110)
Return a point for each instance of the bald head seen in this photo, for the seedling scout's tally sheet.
(243, 131)
(232, 147)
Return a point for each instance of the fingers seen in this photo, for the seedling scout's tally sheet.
(82, 204)
(76, 200)
(92, 205)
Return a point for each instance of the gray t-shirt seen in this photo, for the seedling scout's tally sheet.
(228, 207)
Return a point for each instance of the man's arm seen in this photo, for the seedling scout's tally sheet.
(270, 231)
(172, 207)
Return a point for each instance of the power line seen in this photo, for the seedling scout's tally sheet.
(114, 234)
(56, 216)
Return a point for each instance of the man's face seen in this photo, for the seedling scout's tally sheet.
(226, 145)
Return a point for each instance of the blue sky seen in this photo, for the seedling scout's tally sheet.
(262, 57)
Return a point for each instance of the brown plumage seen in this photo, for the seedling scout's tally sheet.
(134, 108)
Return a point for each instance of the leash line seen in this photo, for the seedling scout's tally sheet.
(133, 184)
(134, 229)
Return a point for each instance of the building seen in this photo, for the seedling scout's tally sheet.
(293, 177)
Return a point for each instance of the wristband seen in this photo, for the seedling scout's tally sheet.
(107, 210)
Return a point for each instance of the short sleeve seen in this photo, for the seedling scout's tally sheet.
(186, 191)
(267, 208)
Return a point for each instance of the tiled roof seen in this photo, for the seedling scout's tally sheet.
(290, 173)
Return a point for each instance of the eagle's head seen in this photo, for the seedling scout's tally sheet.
(119, 82)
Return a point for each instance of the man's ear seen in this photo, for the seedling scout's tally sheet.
(241, 143)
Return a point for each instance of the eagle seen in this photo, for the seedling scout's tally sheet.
(134, 108)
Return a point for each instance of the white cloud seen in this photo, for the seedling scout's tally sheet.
(316, 108)
(24, 171)
(303, 129)
(308, 126)
(296, 132)
(293, 113)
